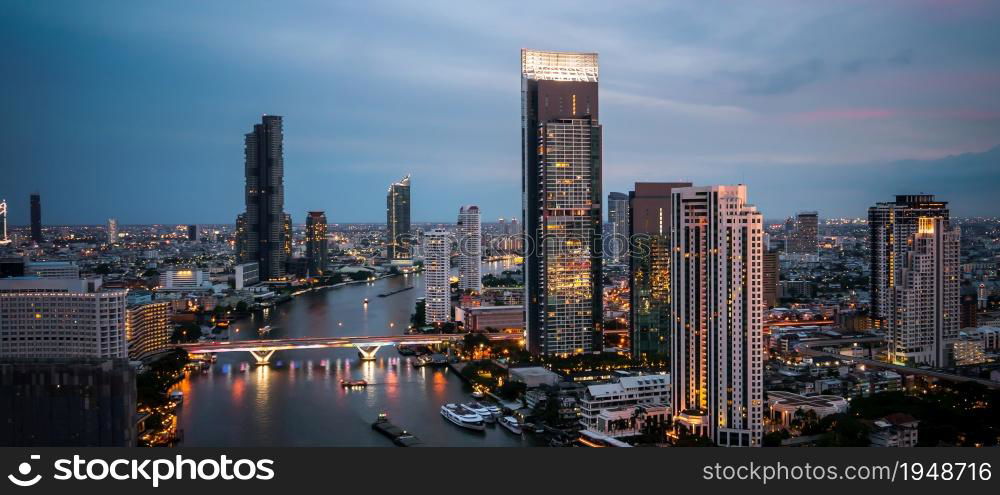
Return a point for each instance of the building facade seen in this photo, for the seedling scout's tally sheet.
(3, 221)
(184, 279)
(36, 218)
(649, 267)
(316, 246)
(148, 329)
(561, 201)
(52, 269)
(771, 276)
(805, 235)
(618, 214)
(261, 230)
(112, 230)
(397, 220)
(61, 318)
(716, 336)
(437, 276)
(470, 243)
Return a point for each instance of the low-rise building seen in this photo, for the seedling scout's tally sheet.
(895, 430)
(783, 406)
(626, 391)
(482, 318)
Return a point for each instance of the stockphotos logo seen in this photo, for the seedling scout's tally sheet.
(154, 470)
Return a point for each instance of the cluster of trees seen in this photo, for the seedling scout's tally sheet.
(506, 280)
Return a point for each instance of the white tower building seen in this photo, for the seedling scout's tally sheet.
(437, 275)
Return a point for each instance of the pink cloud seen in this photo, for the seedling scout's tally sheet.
(856, 114)
(842, 114)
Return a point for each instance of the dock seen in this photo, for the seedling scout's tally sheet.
(398, 435)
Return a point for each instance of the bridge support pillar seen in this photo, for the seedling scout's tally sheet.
(367, 352)
(262, 356)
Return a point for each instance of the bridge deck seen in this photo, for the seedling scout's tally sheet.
(326, 342)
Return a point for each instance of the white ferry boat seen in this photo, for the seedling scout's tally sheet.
(510, 422)
(483, 412)
(456, 415)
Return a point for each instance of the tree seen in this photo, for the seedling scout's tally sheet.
(241, 307)
(187, 332)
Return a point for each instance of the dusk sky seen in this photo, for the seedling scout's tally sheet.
(137, 110)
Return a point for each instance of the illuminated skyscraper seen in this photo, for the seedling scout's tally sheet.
(649, 267)
(804, 236)
(561, 201)
(618, 215)
(437, 275)
(470, 249)
(716, 280)
(316, 242)
(112, 230)
(261, 229)
(397, 220)
(36, 217)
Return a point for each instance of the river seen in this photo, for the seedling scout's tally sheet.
(298, 400)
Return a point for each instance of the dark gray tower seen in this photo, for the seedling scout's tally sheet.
(261, 233)
(36, 217)
(397, 220)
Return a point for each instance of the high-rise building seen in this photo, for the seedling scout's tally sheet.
(148, 329)
(261, 230)
(193, 233)
(771, 277)
(36, 218)
(618, 214)
(316, 251)
(470, 276)
(805, 235)
(716, 350)
(926, 315)
(437, 276)
(890, 225)
(561, 201)
(61, 318)
(397, 220)
(649, 267)
(112, 230)
(3, 220)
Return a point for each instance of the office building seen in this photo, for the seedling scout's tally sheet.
(470, 257)
(246, 274)
(67, 403)
(716, 350)
(185, 279)
(52, 269)
(316, 251)
(262, 234)
(925, 300)
(890, 225)
(36, 218)
(771, 277)
(561, 201)
(148, 329)
(193, 234)
(649, 268)
(397, 220)
(61, 318)
(618, 215)
(112, 230)
(805, 234)
(624, 392)
(437, 276)
(490, 318)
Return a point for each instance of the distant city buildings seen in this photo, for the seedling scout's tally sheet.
(316, 248)
(112, 230)
(61, 318)
(618, 215)
(649, 267)
(470, 257)
(262, 231)
(148, 329)
(3, 221)
(397, 221)
(36, 218)
(804, 238)
(193, 233)
(716, 280)
(561, 186)
(437, 276)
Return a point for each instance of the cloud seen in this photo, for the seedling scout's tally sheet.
(696, 110)
(782, 80)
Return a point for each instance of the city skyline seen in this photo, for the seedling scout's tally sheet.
(687, 103)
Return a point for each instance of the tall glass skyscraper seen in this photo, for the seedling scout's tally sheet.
(316, 251)
(470, 249)
(561, 201)
(397, 220)
(716, 358)
(618, 218)
(649, 268)
(261, 230)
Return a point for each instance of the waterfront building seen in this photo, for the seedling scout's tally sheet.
(262, 230)
(61, 318)
(245, 275)
(805, 234)
(561, 200)
(36, 218)
(112, 230)
(316, 246)
(618, 217)
(649, 267)
(148, 329)
(490, 318)
(470, 257)
(624, 392)
(437, 276)
(716, 279)
(397, 220)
